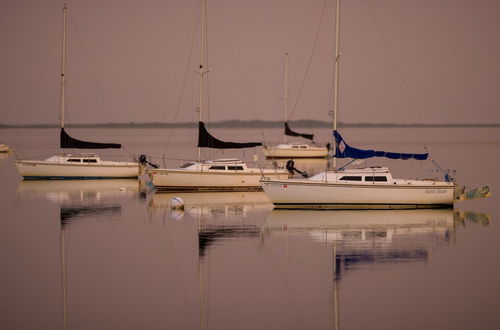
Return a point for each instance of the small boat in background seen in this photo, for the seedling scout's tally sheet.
(294, 149)
(4, 148)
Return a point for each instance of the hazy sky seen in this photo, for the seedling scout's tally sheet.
(403, 61)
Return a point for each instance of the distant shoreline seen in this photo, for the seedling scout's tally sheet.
(245, 124)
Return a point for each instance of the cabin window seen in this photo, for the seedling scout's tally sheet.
(90, 160)
(74, 160)
(375, 234)
(235, 168)
(351, 178)
(303, 147)
(376, 178)
(187, 165)
(215, 167)
(296, 147)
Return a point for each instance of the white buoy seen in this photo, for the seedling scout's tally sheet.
(177, 203)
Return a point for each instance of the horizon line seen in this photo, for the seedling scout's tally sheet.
(245, 123)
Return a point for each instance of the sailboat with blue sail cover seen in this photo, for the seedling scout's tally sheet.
(75, 165)
(366, 188)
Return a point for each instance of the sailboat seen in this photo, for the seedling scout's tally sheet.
(293, 149)
(212, 175)
(75, 166)
(367, 188)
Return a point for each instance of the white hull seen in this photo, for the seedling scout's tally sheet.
(56, 169)
(333, 190)
(178, 179)
(318, 195)
(205, 177)
(288, 151)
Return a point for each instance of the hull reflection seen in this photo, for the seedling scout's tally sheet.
(372, 236)
(216, 205)
(61, 191)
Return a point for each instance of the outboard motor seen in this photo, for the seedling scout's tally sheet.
(290, 166)
(143, 160)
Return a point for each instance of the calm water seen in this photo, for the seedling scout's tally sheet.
(112, 254)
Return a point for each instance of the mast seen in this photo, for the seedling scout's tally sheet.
(336, 77)
(285, 99)
(201, 68)
(63, 66)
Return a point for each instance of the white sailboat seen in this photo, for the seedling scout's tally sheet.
(293, 149)
(370, 188)
(75, 166)
(212, 175)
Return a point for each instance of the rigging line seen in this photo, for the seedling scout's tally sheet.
(206, 61)
(183, 85)
(295, 69)
(310, 58)
(93, 71)
(303, 47)
(396, 67)
(231, 49)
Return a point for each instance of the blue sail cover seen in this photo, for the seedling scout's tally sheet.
(343, 150)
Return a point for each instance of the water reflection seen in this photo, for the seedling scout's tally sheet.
(215, 206)
(99, 200)
(372, 236)
(82, 191)
(4, 155)
(226, 256)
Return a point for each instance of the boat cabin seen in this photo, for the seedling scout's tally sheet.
(75, 159)
(293, 146)
(359, 175)
(222, 165)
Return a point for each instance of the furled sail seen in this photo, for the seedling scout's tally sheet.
(205, 140)
(289, 132)
(72, 143)
(343, 150)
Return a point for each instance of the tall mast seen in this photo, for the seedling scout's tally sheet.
(201, 68)
(336, 77)
(63, 66)
(285, 99)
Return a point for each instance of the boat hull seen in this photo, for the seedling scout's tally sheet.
(185, 180)
(4, 148)
(43, 170)
(273, 152)
(299, 194)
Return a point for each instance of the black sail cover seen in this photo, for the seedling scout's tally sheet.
(288, 131)
(205, 140)
(72, 143)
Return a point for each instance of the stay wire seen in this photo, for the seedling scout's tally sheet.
(301, 52)
(181, 94)
(403, 83)
(231, 49)
(323, 10)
